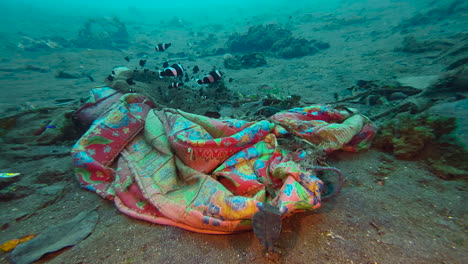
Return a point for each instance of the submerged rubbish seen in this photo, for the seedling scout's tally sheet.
(55, 238)
(267, 225)
(7, 175)
(12, 244)
(250, 168)
(7, 178)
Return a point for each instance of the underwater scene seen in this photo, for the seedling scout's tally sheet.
(240, 131)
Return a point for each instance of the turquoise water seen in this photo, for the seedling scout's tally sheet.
(227, 12)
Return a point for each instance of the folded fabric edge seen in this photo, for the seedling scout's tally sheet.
(166, 221)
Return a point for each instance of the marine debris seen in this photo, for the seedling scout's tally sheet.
(423, 117)
(149, 83)
(209, 98)
(374, 92)
(12, 244)
(43, 44)
(56, 237)
(267, 225)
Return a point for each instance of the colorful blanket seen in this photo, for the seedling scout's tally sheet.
(206, 175)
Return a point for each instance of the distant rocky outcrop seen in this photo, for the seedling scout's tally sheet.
(275, 40)
(432, 16)
(411, 45)
(103, 33)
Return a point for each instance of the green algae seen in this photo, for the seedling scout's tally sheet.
(425, 137)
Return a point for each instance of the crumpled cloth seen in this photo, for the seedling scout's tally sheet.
(206, 175)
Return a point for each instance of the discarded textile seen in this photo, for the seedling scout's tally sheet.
(56, 237)
(202, 174)
(98, 104)
(329, 129)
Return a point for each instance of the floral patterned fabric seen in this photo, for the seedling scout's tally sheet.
(201, 174)
(330, 129)
(98, 104)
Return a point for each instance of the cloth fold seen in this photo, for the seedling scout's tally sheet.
(206, 175)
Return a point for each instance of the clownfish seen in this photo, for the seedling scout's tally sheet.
(174, 70)
(212, 77)
(162, 46)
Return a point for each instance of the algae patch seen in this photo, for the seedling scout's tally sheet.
(427, 137)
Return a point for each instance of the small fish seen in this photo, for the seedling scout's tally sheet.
(174, 70)
(127, 59)
(175, 85)
(165, 64)
(212, 77)
(130, 81)
(142, 63)
(162, 47)
(231, 79)
(90, 78)
(195, 69)
(51, 126)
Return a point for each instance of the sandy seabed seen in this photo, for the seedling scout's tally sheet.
(405, 215)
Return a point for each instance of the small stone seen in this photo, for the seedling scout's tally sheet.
(397, 96)
(68, 75)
